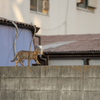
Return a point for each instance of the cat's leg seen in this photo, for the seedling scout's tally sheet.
(21, 63)
(17, 62)
(37, 62)
(28, 62)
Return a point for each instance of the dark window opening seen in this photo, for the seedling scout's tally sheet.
(84, 4)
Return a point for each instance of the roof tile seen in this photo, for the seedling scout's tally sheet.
(87, 42)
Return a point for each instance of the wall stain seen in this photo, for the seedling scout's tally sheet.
(44, 68)
(74, 68)
(79, 68)
(82, 77)
(55, 67)
(29, 69)
(69, 68)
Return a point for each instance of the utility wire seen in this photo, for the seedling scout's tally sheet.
(55, 27)
(63, 22)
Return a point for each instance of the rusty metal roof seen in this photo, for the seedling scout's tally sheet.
(83, 43)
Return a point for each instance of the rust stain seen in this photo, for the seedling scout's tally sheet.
(85, 68)
(55, 67)
(29, 69)
(78, 69)
(44, 68)
(81, 67)
(74, 68)
(94, 66)
(82, 78)
(69, 68)
(88, 67)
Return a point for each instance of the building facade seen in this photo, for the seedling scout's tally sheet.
(55, 17)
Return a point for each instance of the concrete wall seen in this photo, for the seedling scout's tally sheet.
(50, 83)
(60, 11)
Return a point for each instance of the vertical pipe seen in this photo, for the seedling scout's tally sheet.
(86, 61)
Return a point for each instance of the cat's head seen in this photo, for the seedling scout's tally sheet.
(37, 51)
(39, 47)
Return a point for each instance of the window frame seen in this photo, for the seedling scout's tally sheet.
(41, 13)
(83, 4)
(87, 8)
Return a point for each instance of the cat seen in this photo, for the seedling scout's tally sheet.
(22, 55)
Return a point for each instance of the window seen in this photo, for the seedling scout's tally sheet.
(87, 4)
(40, 6)
(82, 3)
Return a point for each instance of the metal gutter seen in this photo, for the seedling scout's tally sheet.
(92, 52)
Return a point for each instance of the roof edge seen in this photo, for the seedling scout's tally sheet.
(7, 22)
(72, 52)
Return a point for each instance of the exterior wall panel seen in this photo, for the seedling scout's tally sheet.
(63, 18)
(65, 62)
(94, 62)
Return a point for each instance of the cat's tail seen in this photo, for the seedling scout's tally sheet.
(14, 57)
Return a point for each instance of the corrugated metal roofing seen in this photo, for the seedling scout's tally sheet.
(7, 22)
(84, 43)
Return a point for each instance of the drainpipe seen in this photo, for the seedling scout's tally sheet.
(86, 61)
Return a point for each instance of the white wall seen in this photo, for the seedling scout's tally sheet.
(65, 62)
(56, 17)
(83, 22)
(17, 10)
(78, 21)
(94, 62)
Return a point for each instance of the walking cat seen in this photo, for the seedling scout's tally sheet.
(22, 55)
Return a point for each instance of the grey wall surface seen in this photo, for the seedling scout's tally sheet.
(50, 83)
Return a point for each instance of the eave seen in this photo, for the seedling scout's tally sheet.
(73, 55)
(19, 24)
